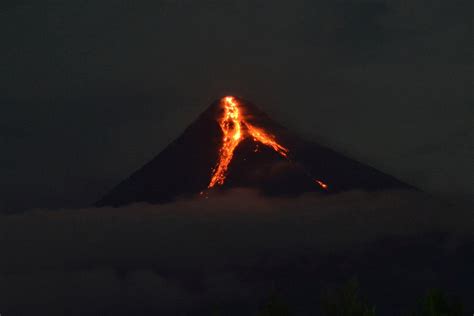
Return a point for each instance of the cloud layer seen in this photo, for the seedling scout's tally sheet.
(223, 251)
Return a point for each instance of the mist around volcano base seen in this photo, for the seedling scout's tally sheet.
(231, 250)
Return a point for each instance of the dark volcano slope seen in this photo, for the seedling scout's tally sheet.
(184, 168)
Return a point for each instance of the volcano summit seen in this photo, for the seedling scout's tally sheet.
(234, 144)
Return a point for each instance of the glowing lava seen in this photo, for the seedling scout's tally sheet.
(259, 135)
(322, 184)
(235, 129)
(231, 125)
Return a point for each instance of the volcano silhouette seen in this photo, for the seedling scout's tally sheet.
(184, 168)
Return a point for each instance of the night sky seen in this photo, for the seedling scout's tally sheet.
(91, 90)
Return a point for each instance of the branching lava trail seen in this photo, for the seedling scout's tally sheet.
(235, 129)
(231, 125)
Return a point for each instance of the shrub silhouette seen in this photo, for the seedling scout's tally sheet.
(346, 301)
(436, 303)
(216, 311)
(275, 307)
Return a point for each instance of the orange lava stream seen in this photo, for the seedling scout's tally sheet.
(232, 125)
(322, 184)
(259, 135)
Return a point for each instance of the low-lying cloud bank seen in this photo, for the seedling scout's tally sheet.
(229, 251)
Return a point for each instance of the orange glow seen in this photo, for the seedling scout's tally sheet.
(235, 129)
(322, 184)
(266, 139)
(231, 125)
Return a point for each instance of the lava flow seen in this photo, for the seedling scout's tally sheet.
(235, 129)
(231, 125)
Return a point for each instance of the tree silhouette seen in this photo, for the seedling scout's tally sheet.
(346, 301)
(275, 307)
(436, 303)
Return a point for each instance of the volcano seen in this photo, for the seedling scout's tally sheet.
(233, 144)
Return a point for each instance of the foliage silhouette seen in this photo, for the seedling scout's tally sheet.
(346, 301)
(275, 307)
(436, 303)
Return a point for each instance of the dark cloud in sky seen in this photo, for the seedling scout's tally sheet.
(91, 90)
(230, 251)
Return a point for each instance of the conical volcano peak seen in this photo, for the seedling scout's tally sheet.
(235, 144)
(248, 111)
